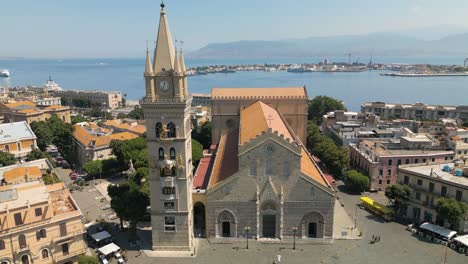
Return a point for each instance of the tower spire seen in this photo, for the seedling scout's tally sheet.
(149, 67)
(177, 68)
(164, 51)
(182, 61)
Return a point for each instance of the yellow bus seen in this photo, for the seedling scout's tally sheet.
(377, 208)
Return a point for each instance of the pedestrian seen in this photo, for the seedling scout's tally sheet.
(373, 237)
(378, 239)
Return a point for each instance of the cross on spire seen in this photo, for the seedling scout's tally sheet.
(270, 118)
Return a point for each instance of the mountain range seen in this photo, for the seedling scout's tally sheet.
(378, 44)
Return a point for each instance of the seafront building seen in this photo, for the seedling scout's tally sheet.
(17, 138)
(93, 142)
(431, 182)
(201, 99)
(40, 224)
(379, 159)
(261, 177)
(28, 111)
(417, 111)
(104, 99)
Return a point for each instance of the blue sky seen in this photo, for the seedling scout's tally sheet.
(120, 28)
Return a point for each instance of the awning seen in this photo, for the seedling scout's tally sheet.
(447, 233)
(109, 249)
(101, 236)
(462, 240)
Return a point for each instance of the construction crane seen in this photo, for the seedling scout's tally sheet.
(464, 64)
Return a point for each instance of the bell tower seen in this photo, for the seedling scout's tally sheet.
(168, 130)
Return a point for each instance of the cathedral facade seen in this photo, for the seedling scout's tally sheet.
(256, 180)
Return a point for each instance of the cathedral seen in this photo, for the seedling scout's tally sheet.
(256, 180)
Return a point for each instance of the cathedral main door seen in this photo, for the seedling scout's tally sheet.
(269, 226)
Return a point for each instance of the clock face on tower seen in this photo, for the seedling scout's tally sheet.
(164, 85)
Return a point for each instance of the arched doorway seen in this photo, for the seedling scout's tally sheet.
(226, 224)
(199, 222)
(313, 225)
(268, 219)
(25, 259)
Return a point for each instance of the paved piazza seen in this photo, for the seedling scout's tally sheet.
(397, 245)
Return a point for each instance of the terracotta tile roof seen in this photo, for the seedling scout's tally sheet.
(309, 168)
(202, 175)
(30, 173)
(85, 138)
(118, 124)
(226, 161)
(251, 93)
(257, 118)
(20, 103)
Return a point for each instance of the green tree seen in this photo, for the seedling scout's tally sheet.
(134, 149)
(35, 154)
(62, 137)
(118, 203)
(78, 119)
(197, 152)
(321, 105)
(93, 168)
(141, 173)
(335, 158)
(137, 203)
(83, 259)
(357, 181)
(137, 113)
(43, 133)
(398, 195)
(451, 210)
(204, 135)
(7, 158)
(50, 178)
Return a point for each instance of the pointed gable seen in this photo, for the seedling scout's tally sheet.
(149, 67)
(164, 52)
(258, 118)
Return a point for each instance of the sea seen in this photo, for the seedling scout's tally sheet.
(126, 76)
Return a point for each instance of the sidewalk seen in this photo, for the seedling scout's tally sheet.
(343, 225)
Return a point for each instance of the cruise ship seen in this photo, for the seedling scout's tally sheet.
(50, 85)
(4, 73)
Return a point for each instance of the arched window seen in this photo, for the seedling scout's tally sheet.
(168, 190)
(172, 130)
(172, 154)
(161, 153)
(22, 241)
(41, 234)
(158, 129)
(253, 168)
(2, 244)
(268, 167)
(25, 259)
(45, 253)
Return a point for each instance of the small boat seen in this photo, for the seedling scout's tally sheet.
(4, 73)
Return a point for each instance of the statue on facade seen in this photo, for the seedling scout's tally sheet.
(180, 162)
(164, 131)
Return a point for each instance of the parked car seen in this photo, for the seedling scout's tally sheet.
(103, 259)
(119, 258)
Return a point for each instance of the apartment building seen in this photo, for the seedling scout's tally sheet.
(417, 111)
(429, 183)
(17, 138)
(28, 111)
(93, 142)
(104, 99)
(379, 159)
(39, 224)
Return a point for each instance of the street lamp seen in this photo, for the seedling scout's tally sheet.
(247, 230)
(294, 229)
